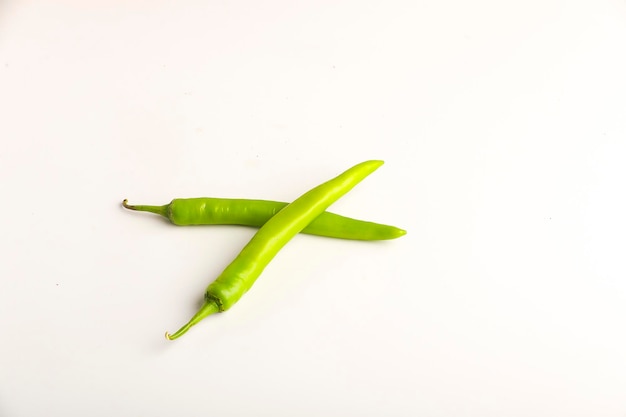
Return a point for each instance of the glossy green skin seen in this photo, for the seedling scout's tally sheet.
(240, 275)
(207, 211)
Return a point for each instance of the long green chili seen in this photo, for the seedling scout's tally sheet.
(241, 274)
(245, 212)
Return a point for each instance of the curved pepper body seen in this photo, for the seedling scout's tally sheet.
(240, 275)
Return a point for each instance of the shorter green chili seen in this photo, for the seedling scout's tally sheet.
(243, 271)
(214, 211)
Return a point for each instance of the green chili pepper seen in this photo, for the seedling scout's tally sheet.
(239, 276)
(205, 211)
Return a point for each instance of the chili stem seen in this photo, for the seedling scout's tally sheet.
(209, 307)
(162, 210)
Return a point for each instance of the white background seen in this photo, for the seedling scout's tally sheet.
(503, 129)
